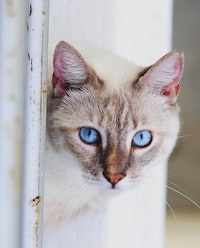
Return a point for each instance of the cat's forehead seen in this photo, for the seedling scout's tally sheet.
(114, 71)
(122, 109)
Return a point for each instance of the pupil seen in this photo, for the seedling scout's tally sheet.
(89, 132)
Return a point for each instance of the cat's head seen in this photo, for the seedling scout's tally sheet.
(118, 127)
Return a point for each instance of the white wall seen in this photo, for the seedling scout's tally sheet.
(139, 30)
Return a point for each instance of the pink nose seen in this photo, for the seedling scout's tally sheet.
(113, 178)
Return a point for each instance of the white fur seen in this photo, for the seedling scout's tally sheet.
(127, 219)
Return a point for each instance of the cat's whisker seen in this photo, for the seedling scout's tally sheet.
(71, 185)
(176, 185)
(78, 195)
(81, 197)
(64, 172)
(184, 196)
(188, 135)
(166, 202)
(57, 200)
(171, 210)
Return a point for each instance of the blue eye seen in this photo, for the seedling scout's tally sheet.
(142, 138)
(89, 135)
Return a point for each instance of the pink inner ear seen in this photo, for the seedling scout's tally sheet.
(70, 69)
(165, 75)
(57, 63)
(59, 86)
(172, 90)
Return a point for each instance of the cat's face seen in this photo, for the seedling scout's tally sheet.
(115, 132)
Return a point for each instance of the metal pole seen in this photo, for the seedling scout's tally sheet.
(36, 94)
(12, 43)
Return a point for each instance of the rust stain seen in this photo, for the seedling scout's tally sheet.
(35, 201)
(37, 229)
(44, 12)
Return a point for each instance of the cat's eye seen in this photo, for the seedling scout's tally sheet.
(142, 138)
(90, 135)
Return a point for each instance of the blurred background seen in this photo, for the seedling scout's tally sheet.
(184, 167)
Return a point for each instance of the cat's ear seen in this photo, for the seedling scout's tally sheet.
(70, 69)
(164, 76)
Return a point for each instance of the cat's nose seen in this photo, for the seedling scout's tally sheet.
(113, 178)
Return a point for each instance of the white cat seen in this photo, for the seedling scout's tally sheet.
(111, 124)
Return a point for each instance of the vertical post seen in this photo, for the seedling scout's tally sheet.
(12, 43)
(36, 94)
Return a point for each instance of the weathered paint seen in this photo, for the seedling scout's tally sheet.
(12, 43)
(36, 95)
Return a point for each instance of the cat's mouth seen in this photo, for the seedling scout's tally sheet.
(106, 186)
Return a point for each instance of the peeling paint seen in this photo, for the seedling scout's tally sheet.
(30, 60)
(34, 202)
(27, 27)
(31, 64)
(29, 57)
(30, 10)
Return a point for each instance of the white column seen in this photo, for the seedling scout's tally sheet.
(12, 43)
(36, 95)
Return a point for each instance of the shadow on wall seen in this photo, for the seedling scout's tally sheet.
(184, 166)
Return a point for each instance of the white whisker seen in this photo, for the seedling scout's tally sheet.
(188, 135)
(184, 195)
(171, 210)
(65, 173)
(71, 185)
(166, 202)
(176, 185)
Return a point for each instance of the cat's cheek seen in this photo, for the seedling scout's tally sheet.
(143, 156)
(85, 152)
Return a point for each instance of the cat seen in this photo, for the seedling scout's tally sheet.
(109, 122)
